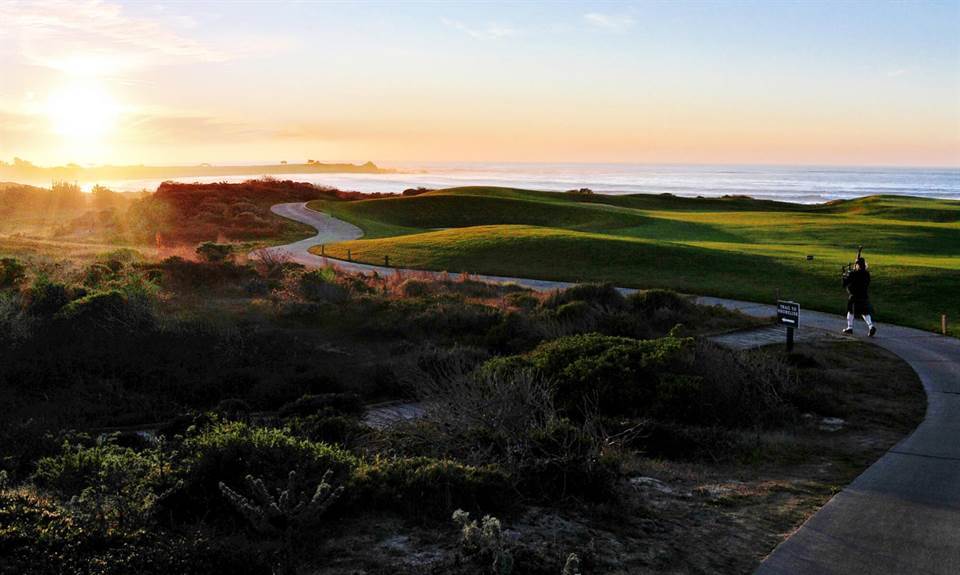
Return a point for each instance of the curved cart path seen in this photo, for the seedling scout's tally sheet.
(901, 515)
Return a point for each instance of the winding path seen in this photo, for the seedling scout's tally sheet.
(900, 516)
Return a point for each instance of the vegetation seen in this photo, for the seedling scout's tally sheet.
(200, 412)
(729, 247)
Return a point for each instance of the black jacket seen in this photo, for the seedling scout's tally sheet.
(857, 283)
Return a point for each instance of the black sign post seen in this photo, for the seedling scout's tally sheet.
(788, 314)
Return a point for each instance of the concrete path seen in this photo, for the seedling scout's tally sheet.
(901, 516)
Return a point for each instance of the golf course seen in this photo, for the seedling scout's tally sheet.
(733, 247)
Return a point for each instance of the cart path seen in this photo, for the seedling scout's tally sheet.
(901, 515)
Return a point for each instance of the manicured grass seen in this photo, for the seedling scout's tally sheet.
(732, 247)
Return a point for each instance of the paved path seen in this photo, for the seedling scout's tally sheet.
(901, 516)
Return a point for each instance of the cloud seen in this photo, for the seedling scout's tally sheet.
(609, 22)
(896, 72)
(93, 37)
(491, 31)
(172, 128)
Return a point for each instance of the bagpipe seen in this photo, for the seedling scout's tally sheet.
(846, 269)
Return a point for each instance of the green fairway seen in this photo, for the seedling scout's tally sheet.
(731, 247)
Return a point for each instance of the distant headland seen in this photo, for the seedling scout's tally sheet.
(27, 172)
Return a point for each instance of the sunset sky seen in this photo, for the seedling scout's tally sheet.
(710, 82)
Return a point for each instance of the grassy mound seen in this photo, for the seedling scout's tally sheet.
(733, 247)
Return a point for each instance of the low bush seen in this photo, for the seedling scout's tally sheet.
(324, 404)
(12, 272)
(428, 487)
(112, 487)
(214, 253)
(321, 286)
(46, 297)
(619, 375)
(228, 452)
(333, 429)
(108, 312)
(77, 468)
(40, 536)
(603, 296)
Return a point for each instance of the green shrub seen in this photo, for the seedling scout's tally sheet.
(455, 319)
(324, 404)
(515, 332)
(619, 374)
(320, 286)
(214, 253)
(96, 274)
(522, 300)
(110, 312)
(46, 297)
(40, 536)
(333, 429)
(603, 296)
(228, 452)
(648, 302)
(12, 272)
(423, 486)
(563, 460)
(111, 486)
(416, 288)
(77, 467)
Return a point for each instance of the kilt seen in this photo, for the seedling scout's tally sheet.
(859, 307)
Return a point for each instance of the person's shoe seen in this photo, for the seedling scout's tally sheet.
(873, 330)
(847, 331)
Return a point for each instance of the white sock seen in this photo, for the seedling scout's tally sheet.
(849, 320)
(867, 319)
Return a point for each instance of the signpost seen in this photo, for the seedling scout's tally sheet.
(788, 314)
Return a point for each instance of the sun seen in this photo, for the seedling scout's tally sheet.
(82, 112)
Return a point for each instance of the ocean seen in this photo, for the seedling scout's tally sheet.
(790, 184)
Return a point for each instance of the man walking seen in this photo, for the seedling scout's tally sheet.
(856, 282)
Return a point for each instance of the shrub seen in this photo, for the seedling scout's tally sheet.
(46, 297)
(291, 508)
(456, 318)
(522, 300)
(563, 460)
(620, 374)
(107, 312)
(604, 296)
(96, 274)
(214, 253)
(740, 389)
(41, 536)
(333, 429)
(12, 272)
(424, 486)
(15, 324)
(324, 404)
(484, 542)
(320, 286)
(647, 303)
(228, 452)
(112, 486)
(508, 416)
(416, 288)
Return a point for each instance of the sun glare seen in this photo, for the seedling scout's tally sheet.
(82, 113)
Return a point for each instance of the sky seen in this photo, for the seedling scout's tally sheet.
(805, 83)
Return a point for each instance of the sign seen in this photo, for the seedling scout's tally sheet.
(788, 313)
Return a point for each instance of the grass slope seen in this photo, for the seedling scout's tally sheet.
(732, 247)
